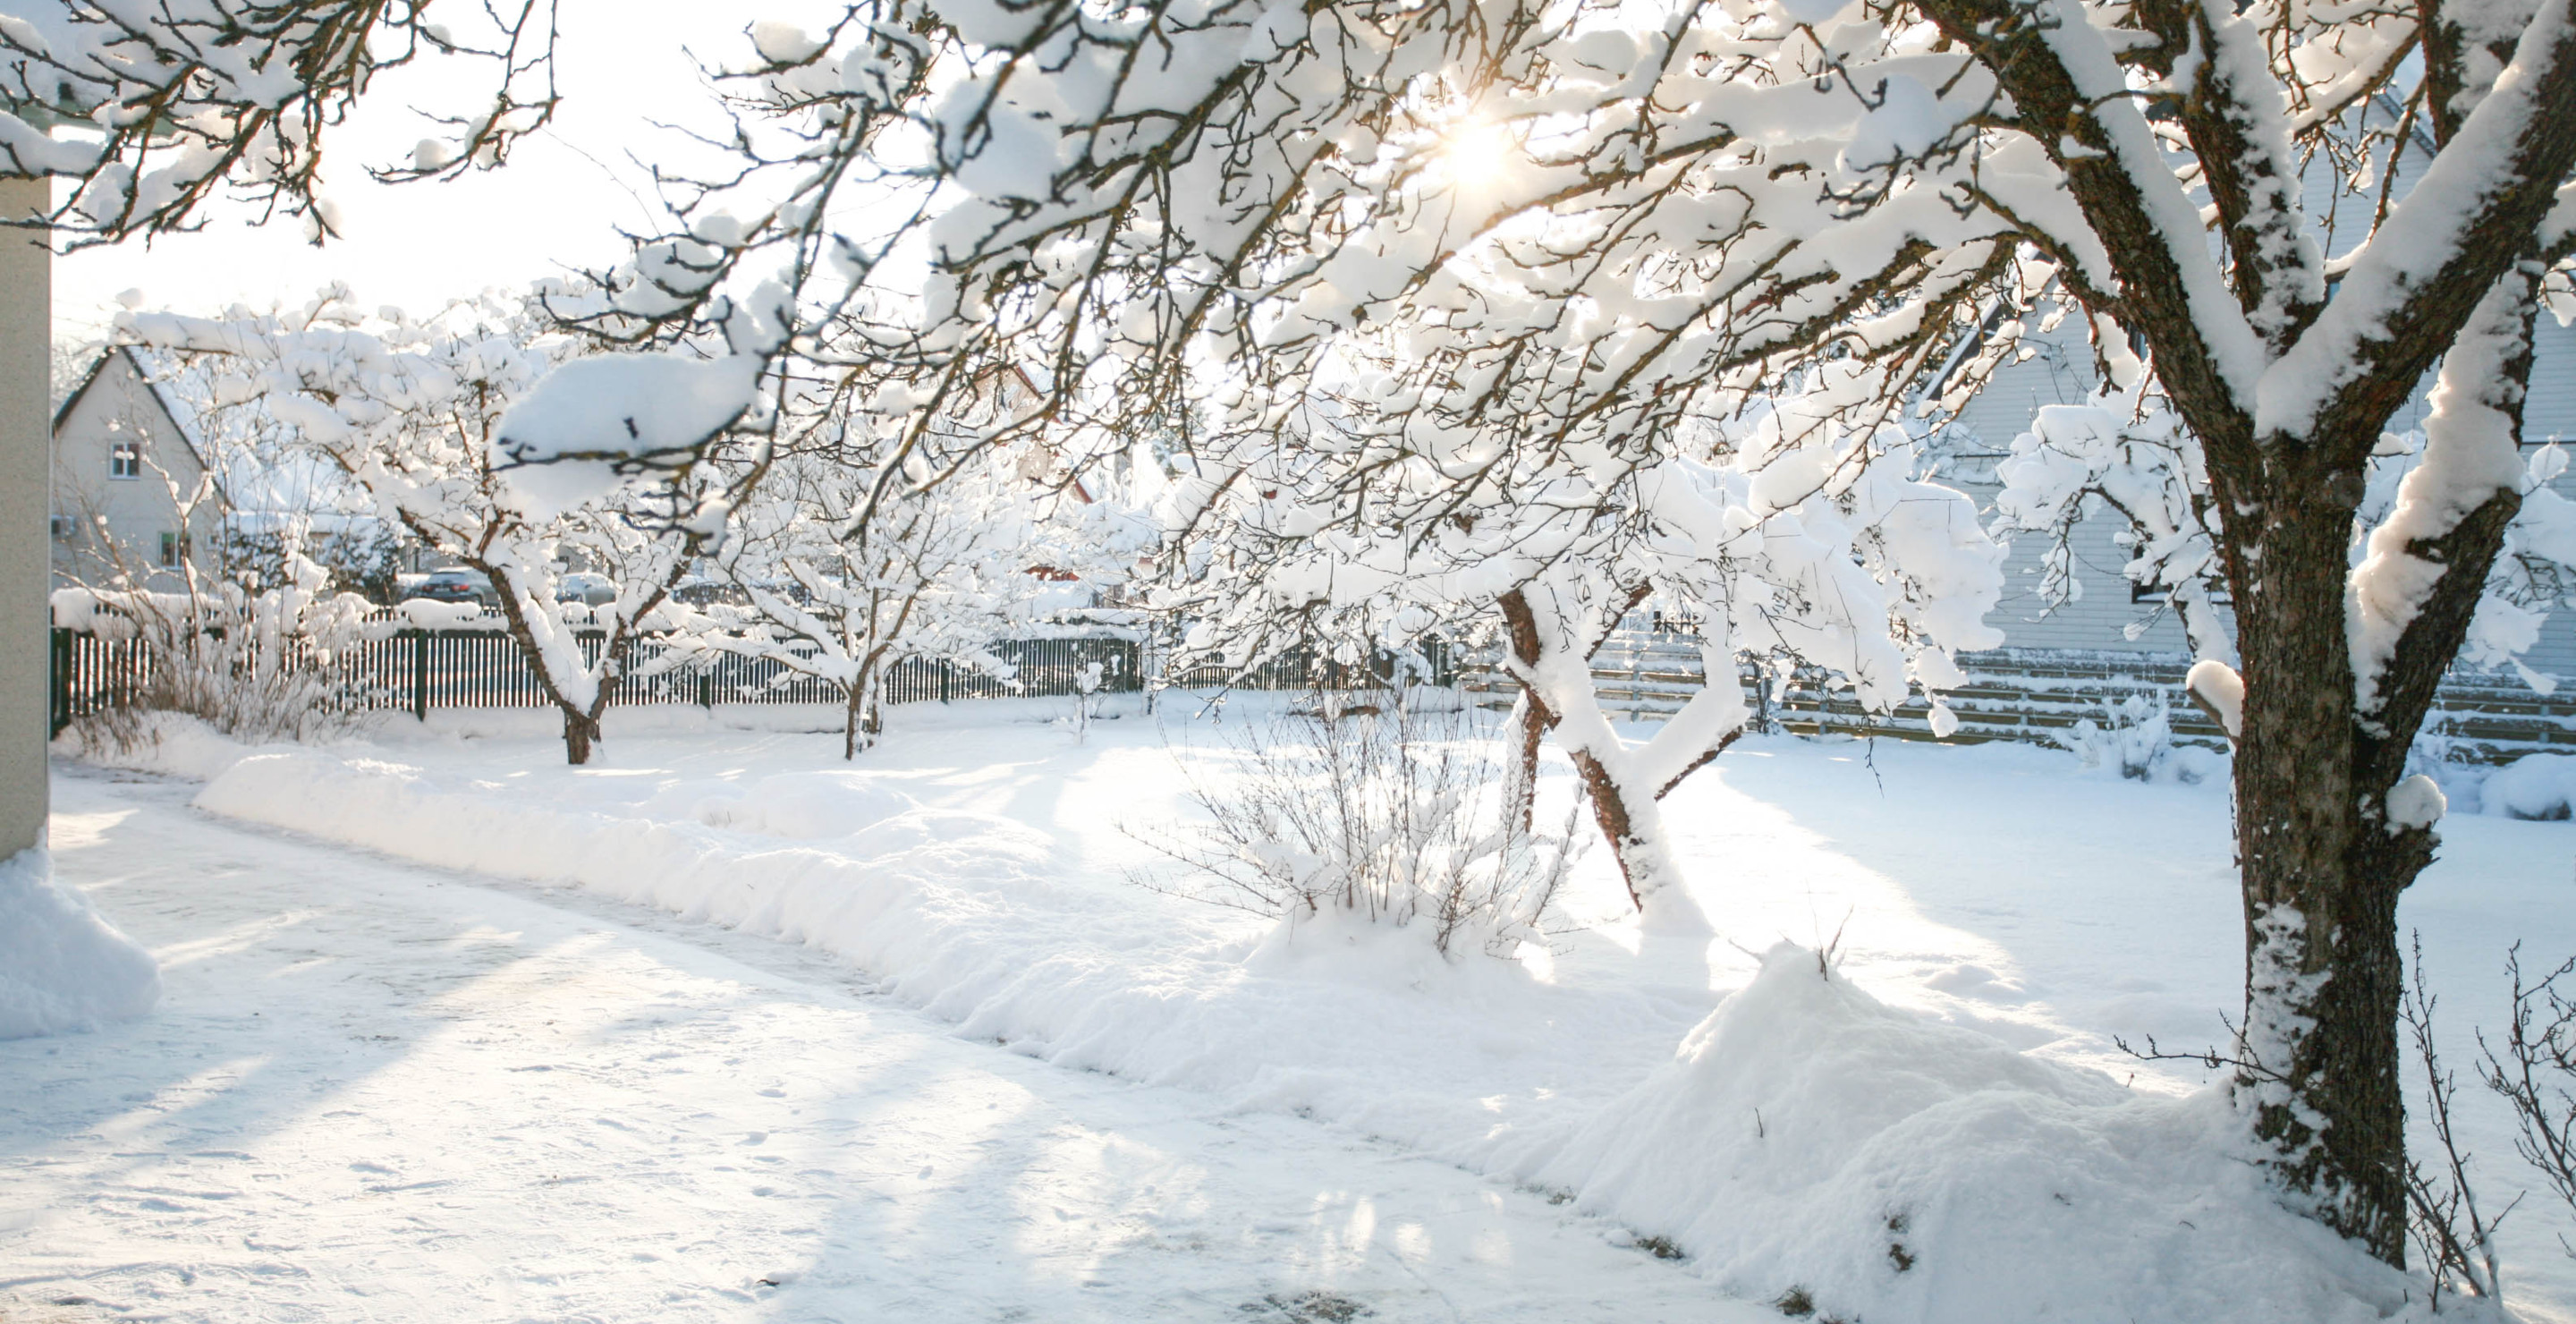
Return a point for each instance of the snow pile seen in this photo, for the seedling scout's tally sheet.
(62, 967)
(2533, 786)
(1807, 1139)
(172, 744)
(1811, 1146)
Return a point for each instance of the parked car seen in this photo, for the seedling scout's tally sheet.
(457, 585)
(585, 588)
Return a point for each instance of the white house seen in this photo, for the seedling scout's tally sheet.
(125, 459)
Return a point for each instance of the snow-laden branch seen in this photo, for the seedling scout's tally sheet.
(151, 107)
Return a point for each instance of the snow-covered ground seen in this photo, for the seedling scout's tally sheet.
(381, 1092)
(2014, 913)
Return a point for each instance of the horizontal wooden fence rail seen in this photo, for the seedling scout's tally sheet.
(1647, 673)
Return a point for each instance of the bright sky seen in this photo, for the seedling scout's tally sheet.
(622, 65)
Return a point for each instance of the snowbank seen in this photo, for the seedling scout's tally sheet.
(62, 967)
(978, 919)
(173, 744)
(2533, 786)
(809, 805)
(1808, 1139)
(1805, 1137)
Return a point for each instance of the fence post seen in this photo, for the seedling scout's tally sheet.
(420, 675)
(59, 665)
(943, 682)
(707, 689)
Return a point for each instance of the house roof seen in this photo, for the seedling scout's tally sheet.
(182, 422)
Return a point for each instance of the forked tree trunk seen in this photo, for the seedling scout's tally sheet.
(582, 725)
(2321, 864)
(1626, 809)
(580, 733)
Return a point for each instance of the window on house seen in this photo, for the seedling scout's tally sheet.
(125, 460)
(2218, 594)
(172, 548)
(64, 527)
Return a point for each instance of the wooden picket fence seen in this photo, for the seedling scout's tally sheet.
(416, 671)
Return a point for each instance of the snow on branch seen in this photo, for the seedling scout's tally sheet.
(160, 105)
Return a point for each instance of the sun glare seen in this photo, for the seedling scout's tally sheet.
(1477, 149)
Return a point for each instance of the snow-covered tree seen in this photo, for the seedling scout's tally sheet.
(1589, 223)
(939, 572)
(419, 413)
(1791, 540)
(2126, 452)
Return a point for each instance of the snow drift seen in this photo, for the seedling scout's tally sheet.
(1807, 1139)
(62, 966)
(977, 918)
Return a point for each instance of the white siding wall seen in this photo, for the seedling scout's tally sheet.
(2099, 619)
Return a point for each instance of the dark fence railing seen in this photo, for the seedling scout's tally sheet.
(417, 670)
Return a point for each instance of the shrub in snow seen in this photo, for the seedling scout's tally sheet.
(1781, 531)
(2535, 1073)
(2136, 739)
(254, 661)
(62, 967)
(2533, 786)
(1395, 818)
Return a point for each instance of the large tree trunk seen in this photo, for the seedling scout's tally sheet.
(2322, 865)
(2321, 964)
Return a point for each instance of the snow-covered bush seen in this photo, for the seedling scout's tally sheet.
(255, 660)
(1779, 530)
(1386, 816)
(2533, 786)
(2135, 737)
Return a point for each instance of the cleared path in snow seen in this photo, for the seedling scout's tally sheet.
(378, 1092)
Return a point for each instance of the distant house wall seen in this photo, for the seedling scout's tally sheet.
(2100, 618)
(107, 512)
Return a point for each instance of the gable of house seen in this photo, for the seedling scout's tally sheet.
(119, 450)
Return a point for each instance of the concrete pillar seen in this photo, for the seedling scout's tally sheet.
(26, 622)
